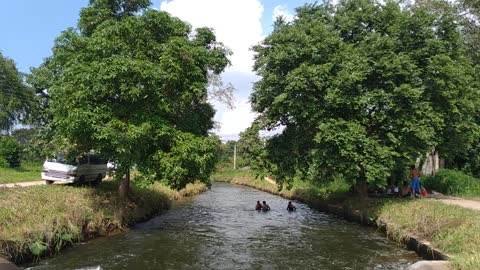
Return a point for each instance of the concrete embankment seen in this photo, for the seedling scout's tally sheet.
(6, 265)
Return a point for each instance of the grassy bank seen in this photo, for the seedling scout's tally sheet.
(451, 229)
(40, 220)
(28, 171)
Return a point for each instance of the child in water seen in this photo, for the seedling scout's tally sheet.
(265, 207)
(258, 206)
(291, 207)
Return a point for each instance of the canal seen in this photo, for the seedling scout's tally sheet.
(220, 230)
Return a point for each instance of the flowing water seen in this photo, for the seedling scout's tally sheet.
(220, 230)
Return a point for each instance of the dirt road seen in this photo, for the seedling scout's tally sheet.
(23, 184)
(470, 204)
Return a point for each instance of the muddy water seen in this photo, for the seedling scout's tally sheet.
(219, 230)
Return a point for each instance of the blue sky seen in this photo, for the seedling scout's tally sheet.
(28, 29)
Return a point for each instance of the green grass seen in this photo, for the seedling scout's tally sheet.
(297, 190)
(227, 174)
(41, 220)
(28, 171)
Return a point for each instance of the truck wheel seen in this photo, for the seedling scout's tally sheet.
(81, 180)
(49, 182)
(98, 180)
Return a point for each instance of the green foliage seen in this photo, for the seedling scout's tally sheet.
(469, 14)
(131, 83)
(100, 11)
(15, 97)
(9, 152)
(361, 85)
(37, 248)
(190, 158)
(252, 149)
(453, 182)
(31, 142)
(28, 171)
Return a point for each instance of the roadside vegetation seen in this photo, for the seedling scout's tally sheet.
(451, 229)
(28, 171)
(453, 182)
(40, 220)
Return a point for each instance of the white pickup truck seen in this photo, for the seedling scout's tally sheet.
(90, 168)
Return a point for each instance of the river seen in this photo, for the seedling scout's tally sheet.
(220, 230)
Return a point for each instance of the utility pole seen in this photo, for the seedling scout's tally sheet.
(235, 156)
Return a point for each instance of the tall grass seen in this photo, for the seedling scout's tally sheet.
(28, 171)
(40, 220)
(191, 189)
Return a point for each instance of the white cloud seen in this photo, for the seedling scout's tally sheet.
(237, 120)
(236, 23)
(282, 10)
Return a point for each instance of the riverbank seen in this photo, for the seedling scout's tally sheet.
(433, 229)
(41, 220)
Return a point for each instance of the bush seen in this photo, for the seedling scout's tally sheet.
(9, 152)
(453, 183)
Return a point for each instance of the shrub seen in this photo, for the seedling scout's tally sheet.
(9, 152)
(453, 182)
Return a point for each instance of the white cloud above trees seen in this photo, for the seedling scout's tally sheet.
(236, 23)
(282, 11)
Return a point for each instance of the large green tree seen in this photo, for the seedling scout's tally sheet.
(131, 82)
(361, 85)
(459, 145)
(15, 97)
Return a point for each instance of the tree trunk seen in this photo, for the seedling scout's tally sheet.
(362, 189)
(124, 186)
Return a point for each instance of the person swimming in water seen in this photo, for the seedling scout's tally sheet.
(258, 206)
(265, 207)
(291, 207)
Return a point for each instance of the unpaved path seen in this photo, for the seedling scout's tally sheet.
(470, 204)
(23, 184)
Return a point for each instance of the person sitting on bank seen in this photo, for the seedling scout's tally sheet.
(396, 190)
(258, 206)
(405, 190)
(265, 207)
(390, 189)
(291, 207)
